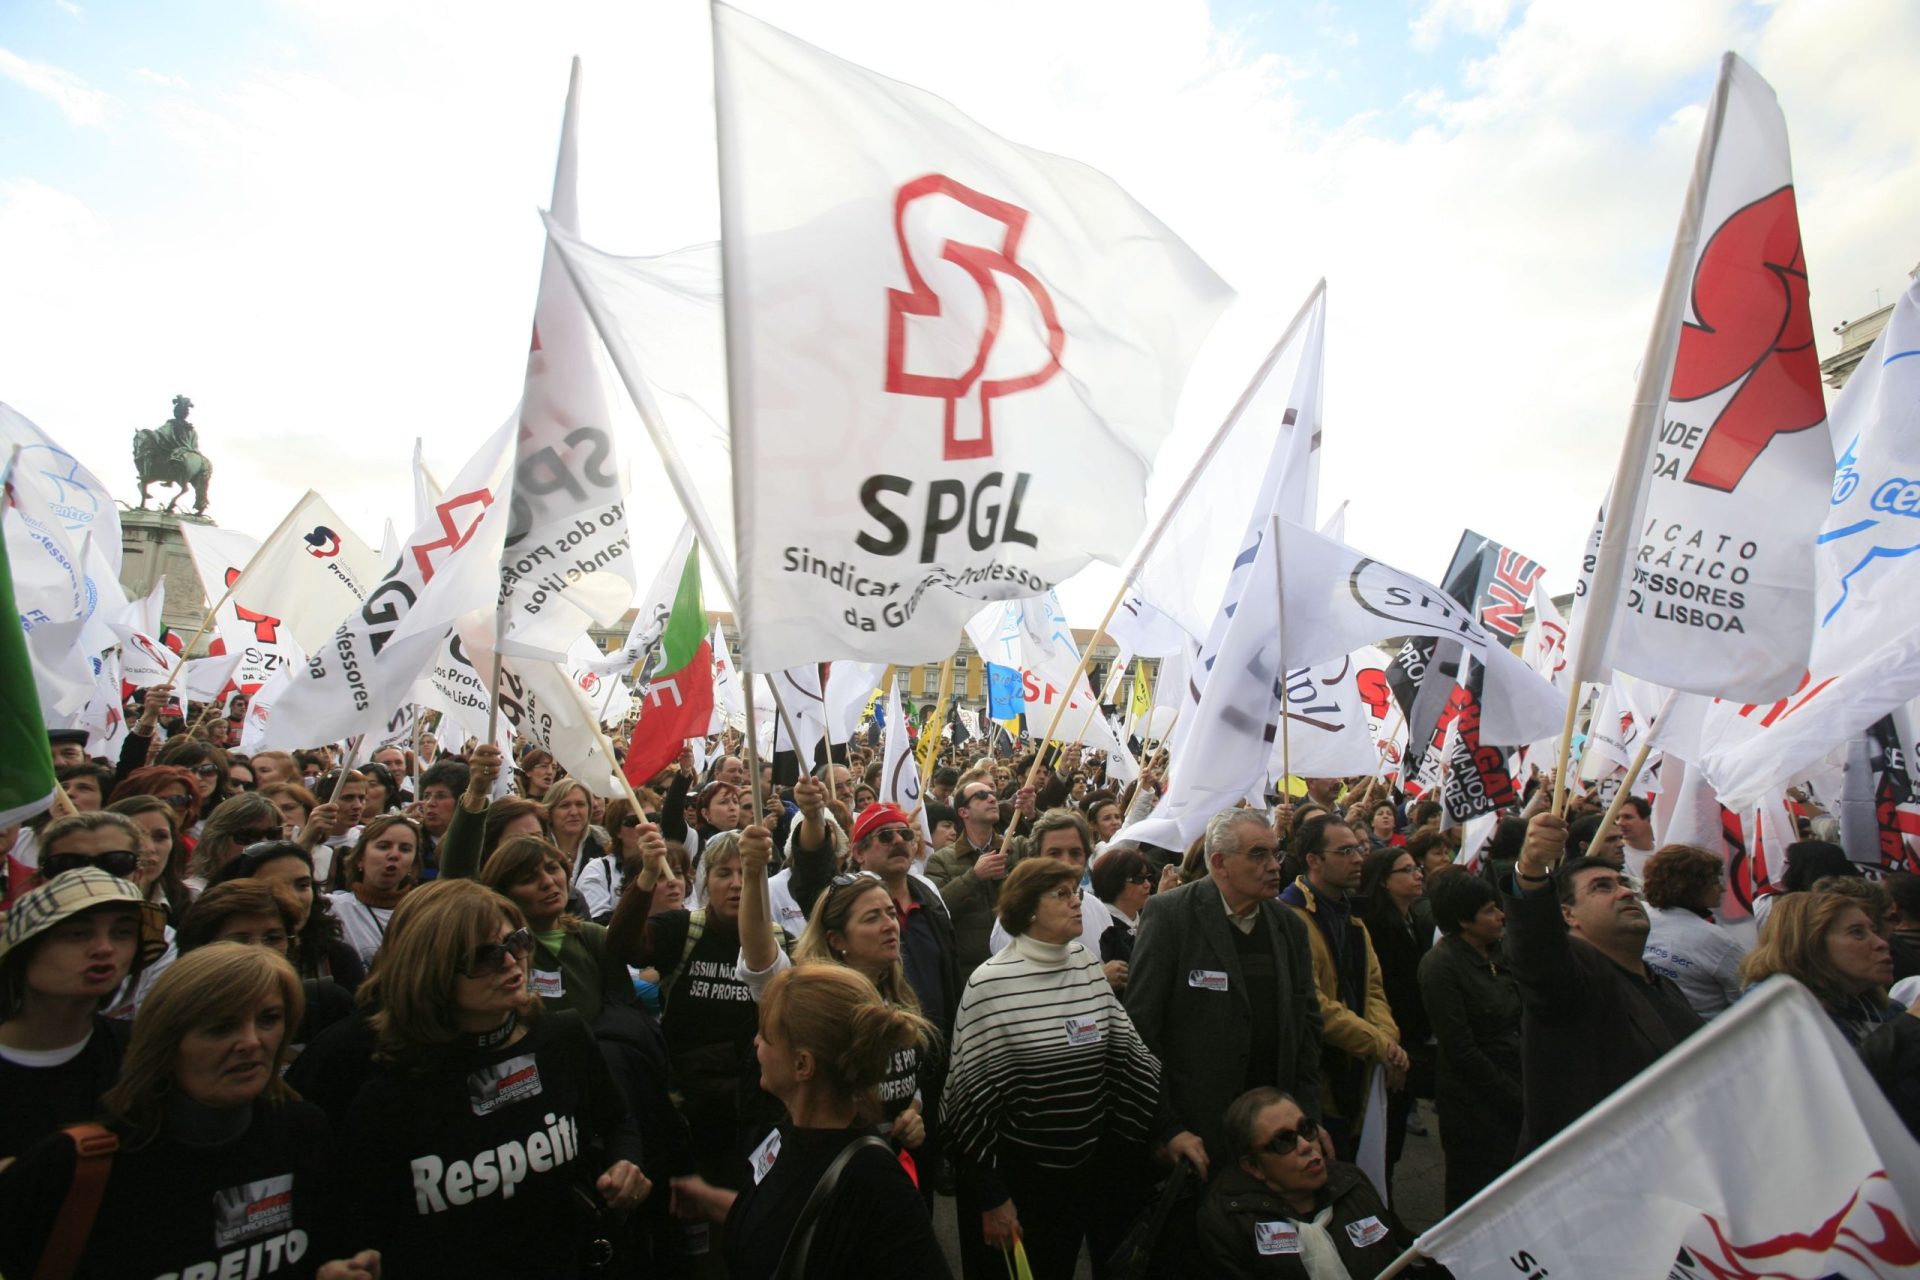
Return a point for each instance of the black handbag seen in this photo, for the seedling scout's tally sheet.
(1149, 1250)
(793, 1257)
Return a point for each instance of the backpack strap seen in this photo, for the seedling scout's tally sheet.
(793, 1258)
(696, 925)
(93, 1148)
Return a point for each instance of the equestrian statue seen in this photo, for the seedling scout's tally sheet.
(170, 454)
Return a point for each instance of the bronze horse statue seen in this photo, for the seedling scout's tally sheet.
(170, 454)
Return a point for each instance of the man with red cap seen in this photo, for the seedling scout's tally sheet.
(884, 842)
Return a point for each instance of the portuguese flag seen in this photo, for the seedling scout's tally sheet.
(26, 767)
(679, 699)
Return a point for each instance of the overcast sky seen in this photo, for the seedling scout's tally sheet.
(317, 217)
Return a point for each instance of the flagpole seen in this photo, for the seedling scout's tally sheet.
(1145, 549)
(285, 524)
(1619, 525)
(606, 745)
(1633, 773)
(1280, 614)
(347, 763)
(752, 736)
(939, 722)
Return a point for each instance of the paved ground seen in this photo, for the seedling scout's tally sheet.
(1418, 1193)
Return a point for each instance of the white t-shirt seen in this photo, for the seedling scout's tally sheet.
(365, 927)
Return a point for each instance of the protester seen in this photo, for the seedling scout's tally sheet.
(1358, 1034)
(1684, 885)
(162, 853)
(199, 1110)
(1280, 1208)
(206, 763)
(173, 787)
(1123, 880)
(379, 872)
(487, 1121)
(440, 788)
(570, 819)
(231, 827)
(601, 880)
(321, 949)
(969, 871)
(86, 784)
(67, 948)
(1594, 1015)
(1904, 888)
(1063, 834)
(1635, 824)
(1473, 1005)
(535, 773)
(1400, 926)
(1048, 1129)
(883, 842)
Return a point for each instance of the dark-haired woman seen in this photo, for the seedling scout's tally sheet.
(264, 913)
(162, 855)
(826, 1043)
(1393, 897)
(220, 1170)
(1123, 879)
(381, 869)
(320, 949)
(1473, 1005)
(489, 1128)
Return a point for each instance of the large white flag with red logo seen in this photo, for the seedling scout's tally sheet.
(354, 679)
(1802, 1171)
(565, 563)
(1700, 575)
(953, 358)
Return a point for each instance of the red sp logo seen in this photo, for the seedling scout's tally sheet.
(456, 538)
(963, 438)
(1750, 293)
(265, 629)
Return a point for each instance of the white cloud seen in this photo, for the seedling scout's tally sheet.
(1476, 17)
(80, 104)
(71, 9)
(158, 79)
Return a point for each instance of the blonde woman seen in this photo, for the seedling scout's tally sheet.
(486, 1117)
(221, 1169)
(570, 819)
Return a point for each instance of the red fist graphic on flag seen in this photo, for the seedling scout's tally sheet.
(1750, 294)
(955, 339)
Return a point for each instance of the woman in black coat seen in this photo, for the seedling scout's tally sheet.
(1393, 888)
(1473, 1005)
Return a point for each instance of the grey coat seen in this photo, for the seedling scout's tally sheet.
(1201, 1035)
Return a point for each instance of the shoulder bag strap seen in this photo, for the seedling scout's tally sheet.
(793, 1258)
(93, 1148)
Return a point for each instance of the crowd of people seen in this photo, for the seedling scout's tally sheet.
(445, 1012)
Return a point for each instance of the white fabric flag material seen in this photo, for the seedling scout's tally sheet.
(448, 568)
(899, 771)
(57, 599)
(1676, 1152)
(729, 694)
(310, 573)
(800, 693)
(1333, 731)
(1706, 581)
(565, 562)
(975, 346)
(651, 611)
(259, 638)
(1144, 630)
(79, 501)
(545, 708)
(850, 687)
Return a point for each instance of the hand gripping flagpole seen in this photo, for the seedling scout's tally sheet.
(1619, 526)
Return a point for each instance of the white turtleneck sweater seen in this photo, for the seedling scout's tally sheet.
(1045, 1063)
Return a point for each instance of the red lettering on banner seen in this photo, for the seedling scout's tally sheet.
(985, 264)
(1514, 577)
(265, 629)
(1750, 294)
(456, 538)
(1788, 705)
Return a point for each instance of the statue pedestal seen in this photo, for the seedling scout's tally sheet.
(152, 549)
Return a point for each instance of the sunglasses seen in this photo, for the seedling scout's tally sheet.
(1139, 879)
(1287, 1141)
(631, 820)
(1068, 893)
(254, 835)
(491, 958)
(240, 784)
(117, 863)
(207, 770)
(894, 835)
(178, 802)
(846, 878)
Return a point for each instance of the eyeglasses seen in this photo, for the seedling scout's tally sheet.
(1346, 851)
(846, 878)
(894, 835)
(1066, 893)
(491, 958)
(1404, 871)
(116, 862)
(1287, 1141)
(207, 769)
(1260, 853)
(254, 835)
(1139, 879)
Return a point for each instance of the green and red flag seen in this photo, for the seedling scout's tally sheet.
(678, 701)
(26, 767)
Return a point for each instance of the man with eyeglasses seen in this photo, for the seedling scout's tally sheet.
(1592, 1015)
(1221, 984)
(968, 872)
(884, 842)
(1358, 1032)
(1284, 1209)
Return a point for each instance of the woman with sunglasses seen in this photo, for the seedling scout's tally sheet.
(1123, 879)
(321, 949)
(240, 775)
(220, 1168)
(1282, 1210)
(173, 787)
(161, 855)
(68, 946)
(230, 828)
(380, 870)
(1054, 1162)
(206, 762)
(488, 1125)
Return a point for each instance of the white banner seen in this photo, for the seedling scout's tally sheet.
(1337, 718)
(79, 502)
(1677, 1152)
(974, 347)
(1707, 583)
(899, 772)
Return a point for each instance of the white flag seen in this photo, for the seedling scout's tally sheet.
(541, 704)
(1334, 727)
(729, 695)
(565, 562)
(56, 596)
(261, 640)
(650, 612)
(80, 503)
(850, 687)
(1700, 575)
(309, 573)
(355, 678)
(1677, 1153)
(1144, 630)
(974, 346)
(899, 771)
(799, 692)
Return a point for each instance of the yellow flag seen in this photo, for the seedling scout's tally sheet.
(927, 750)
(1142, 699)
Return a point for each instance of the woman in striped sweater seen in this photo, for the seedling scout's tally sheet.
(1053, 1097)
